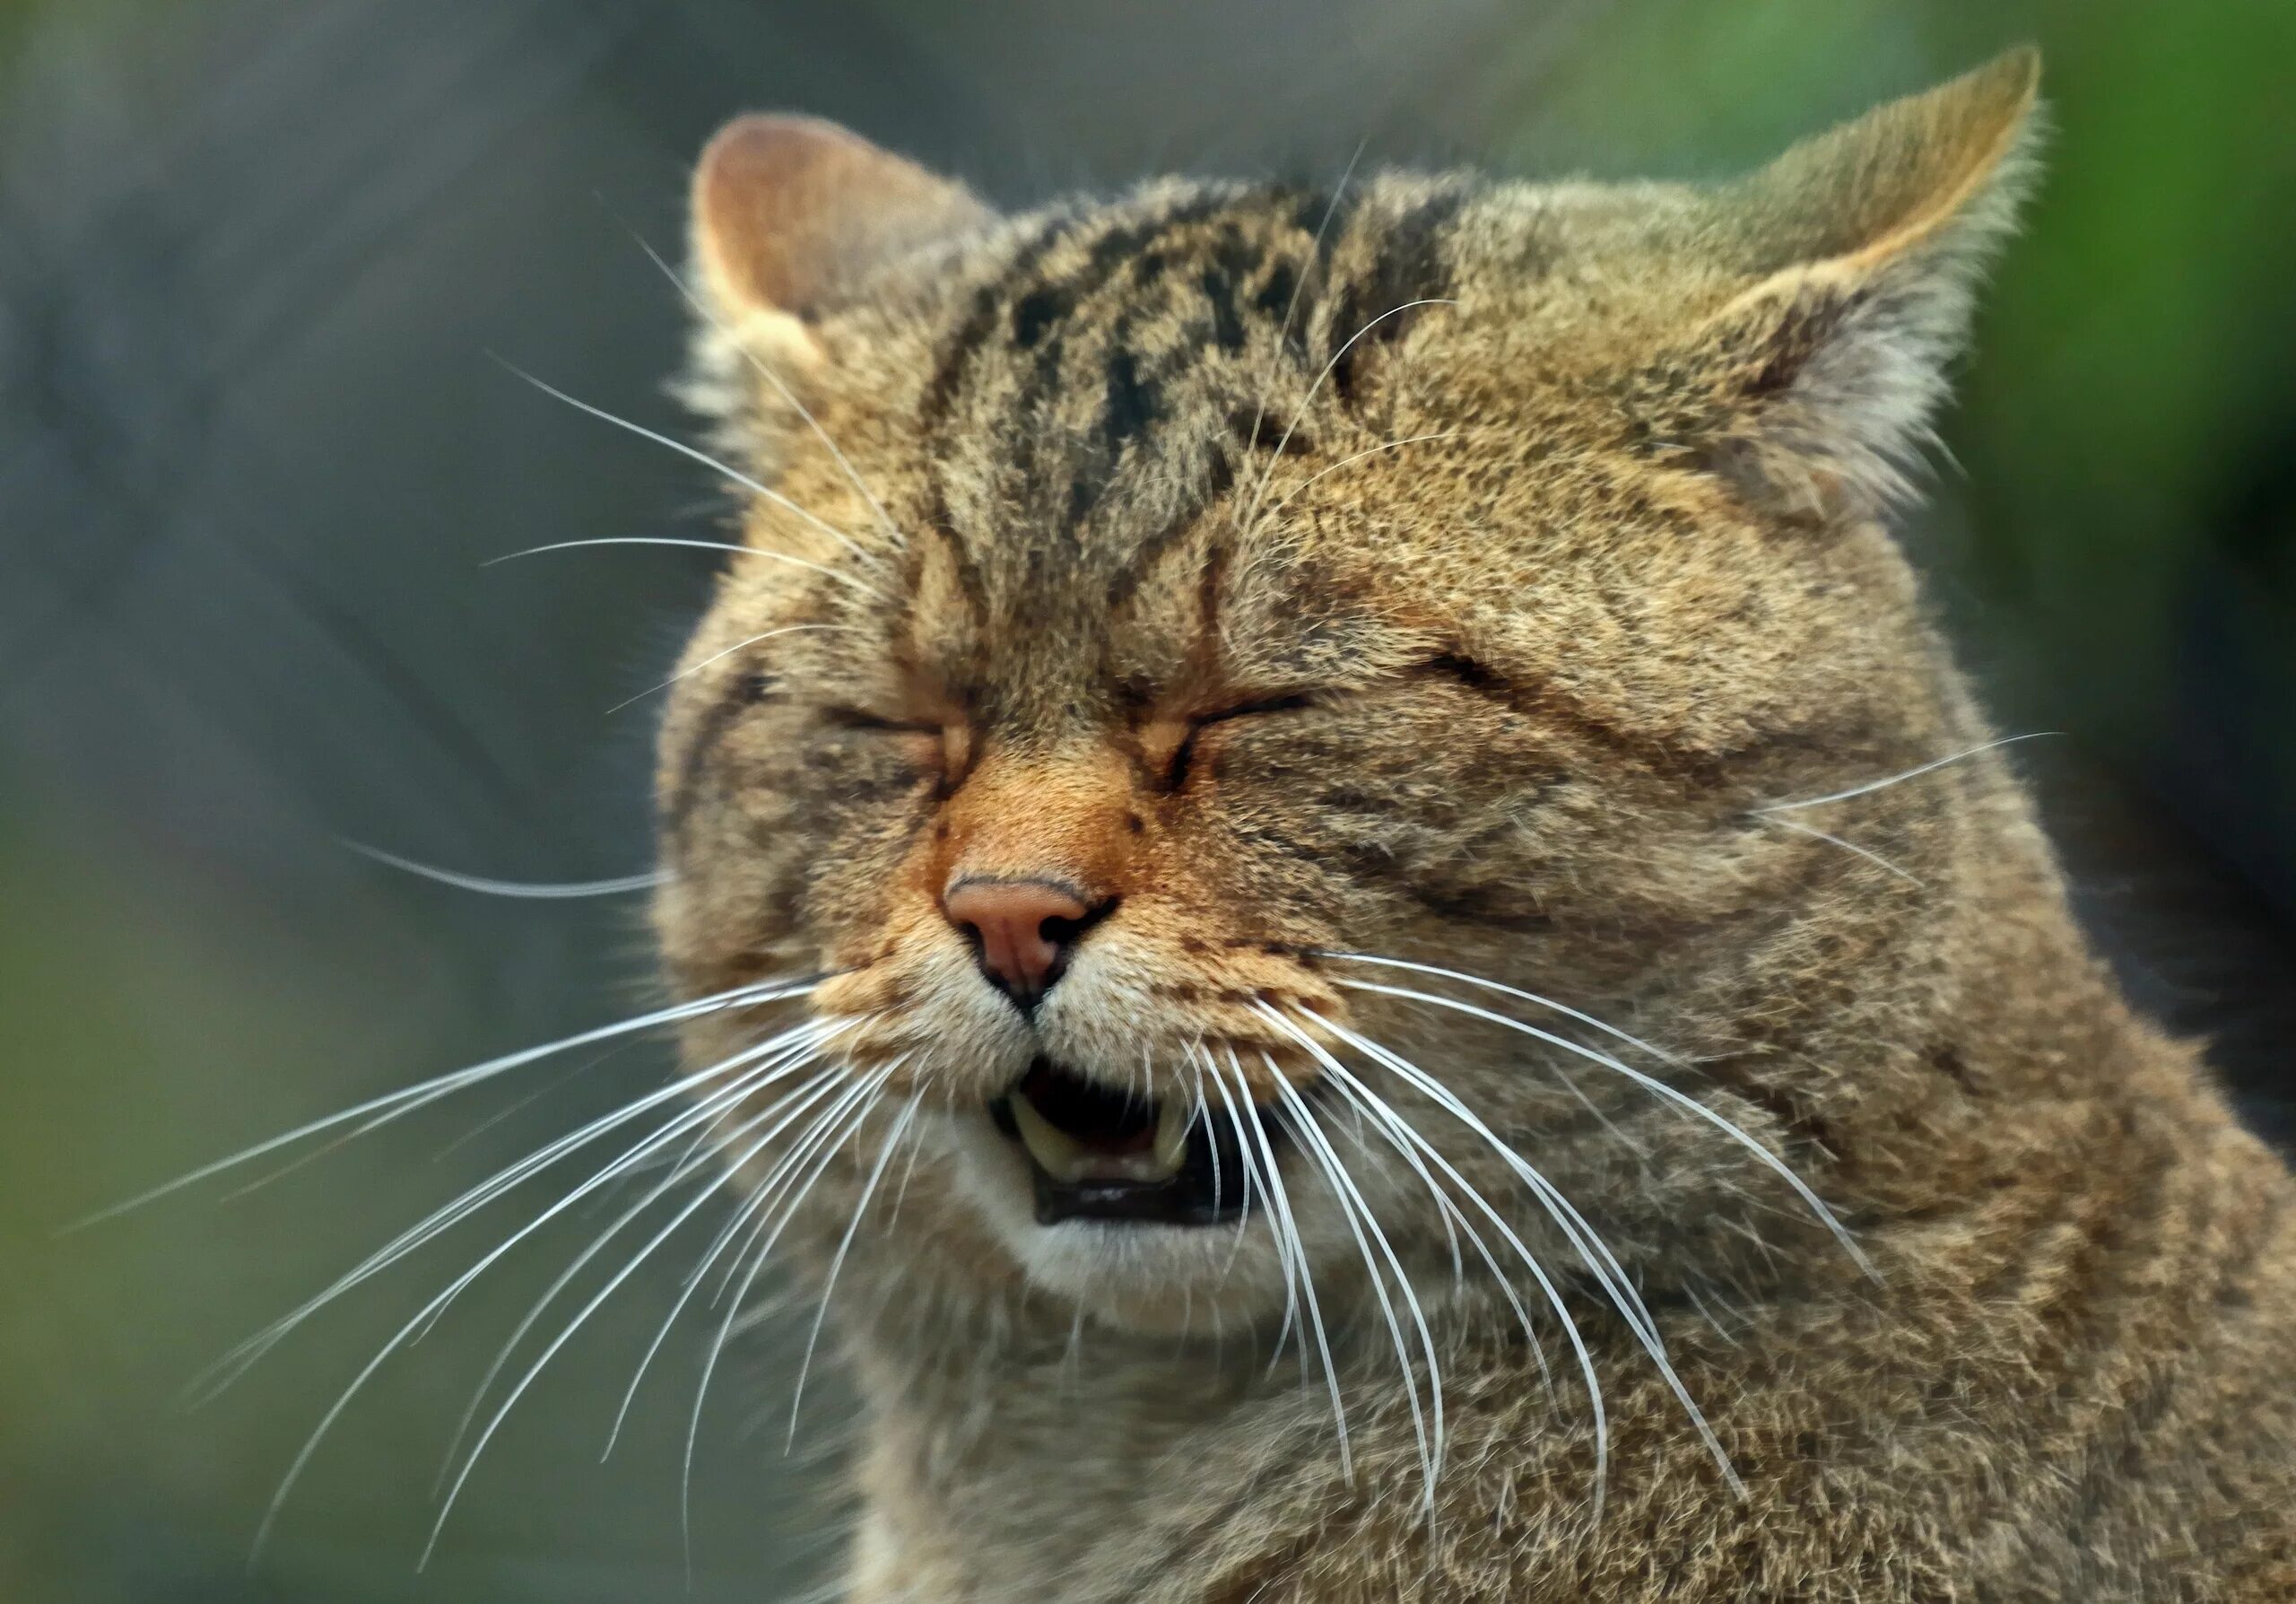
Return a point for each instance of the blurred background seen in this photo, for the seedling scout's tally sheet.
(254, 255)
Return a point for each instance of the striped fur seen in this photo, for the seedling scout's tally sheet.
(1533, 534)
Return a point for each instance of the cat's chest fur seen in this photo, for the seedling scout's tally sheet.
(2025, 1437)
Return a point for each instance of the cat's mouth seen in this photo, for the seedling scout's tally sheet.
(1097, 1154)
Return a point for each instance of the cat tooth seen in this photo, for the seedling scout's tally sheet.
(1061, 1157)
(1171, 1136)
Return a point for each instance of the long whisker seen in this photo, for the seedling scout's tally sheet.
(237, 1362)
(1300, 489)
(478, 1447)
(1680, 1099)
(538, 889)
(1554, 1294)
(727, 1102)
(431, 1309)
(783, 1173)
(835, 1127)
(1548, 1003)
(788, 395)
(756, 1204)
(1251, 517)
(698, 545)
(1243, 1181)
(1566, 1213)
(1279, 1203)
(393, 1105)
(1283, 1243)
(1851, 847)
(1872, 786)
(1291, 306)
(1398, 1134)
(1428, 1429)
(707, 1147)
(836, 1261)
(1592, 1250)
(738, 477)
(786, 629)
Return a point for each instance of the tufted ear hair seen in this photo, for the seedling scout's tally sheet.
(1815, 383)
(791, 213)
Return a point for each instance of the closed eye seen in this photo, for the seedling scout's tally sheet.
(854, 718)
(1465, 670)
(1252, 710)
(1183, 753)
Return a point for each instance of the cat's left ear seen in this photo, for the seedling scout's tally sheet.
(792, 213)
(1816, 383)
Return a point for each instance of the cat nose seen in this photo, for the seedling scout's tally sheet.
(1022, 930)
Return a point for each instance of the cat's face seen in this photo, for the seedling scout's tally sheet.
(1212, 596)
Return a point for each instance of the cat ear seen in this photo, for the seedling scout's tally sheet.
(791, 213)
(1815, 384)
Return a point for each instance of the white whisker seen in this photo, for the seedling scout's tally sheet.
(1291, 310)
(1799, 828)
(1680, 1099)
(1592, 1250)
(1428, 1427)
(1552, 1292)
(538, 889)
(786, 629)
(836, 1261)
(735, 475)
(1547, 1003)
(1251, 517)
(1872, 786)
(237, 1362)
(857, 1102)
(437, 1303)
(392, 1105)
(1300, 489)
(1280, 1205)
(788, 395)
(725, 1102)
(478, 1447)
(697, 546)
(1238, 1114)
(1243, 1184)
(1398, 1134)
(758, 1199)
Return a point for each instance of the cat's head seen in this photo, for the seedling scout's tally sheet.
(1174, 627)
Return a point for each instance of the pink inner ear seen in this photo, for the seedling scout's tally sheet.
(789, 211)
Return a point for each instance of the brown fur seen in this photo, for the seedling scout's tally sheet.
(1133, 464)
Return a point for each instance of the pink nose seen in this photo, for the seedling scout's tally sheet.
(1024, 930)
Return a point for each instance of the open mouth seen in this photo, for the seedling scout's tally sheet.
(1098, 1153)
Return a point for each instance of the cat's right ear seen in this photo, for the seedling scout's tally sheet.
(1858, 254)
(791, 213)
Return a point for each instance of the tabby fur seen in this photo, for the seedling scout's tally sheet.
(1492, 576)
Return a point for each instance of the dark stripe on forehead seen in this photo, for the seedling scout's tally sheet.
(1042, 324)
(1323, 217)
(1412, 264)
(941, 393)
(981, 317)
(1232, 262)
(1220, 478)
(1132, 403)
(1038, 314)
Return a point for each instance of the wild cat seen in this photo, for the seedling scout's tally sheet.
(1326, 881)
